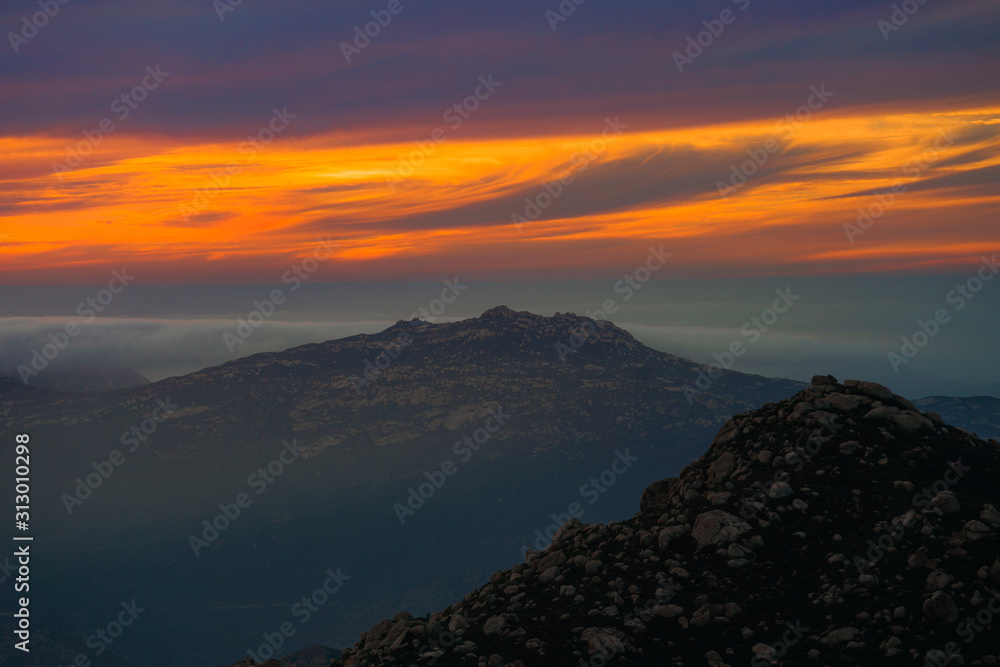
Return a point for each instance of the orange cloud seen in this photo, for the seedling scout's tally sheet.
(214, 212)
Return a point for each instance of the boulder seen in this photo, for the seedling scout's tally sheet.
(717, 526)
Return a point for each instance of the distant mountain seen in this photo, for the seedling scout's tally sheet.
(430, 455)
(96, 378)
(976, 414)
(842, 526)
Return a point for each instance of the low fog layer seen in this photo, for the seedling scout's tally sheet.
(844, 326)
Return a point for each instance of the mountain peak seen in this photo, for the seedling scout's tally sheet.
(523, 331)
(501, 311)
(508, 317)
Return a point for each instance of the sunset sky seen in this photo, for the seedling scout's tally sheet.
(920, 109)
(535, 150)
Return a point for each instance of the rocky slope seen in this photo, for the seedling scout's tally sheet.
(842, 526)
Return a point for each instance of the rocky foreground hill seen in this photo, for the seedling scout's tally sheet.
(842, 526)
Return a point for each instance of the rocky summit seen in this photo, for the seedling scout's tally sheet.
(843, 526)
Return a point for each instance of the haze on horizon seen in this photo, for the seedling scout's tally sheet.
(843, 325)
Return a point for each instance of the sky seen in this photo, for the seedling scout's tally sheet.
(536, 149)
(372, 155)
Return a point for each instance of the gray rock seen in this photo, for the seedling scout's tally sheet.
(780, 490)
(667, 534)
(937, 580)
(911, 422)
(840, 636)
(941, 607)
(717, 526)
(882, 412)
(729, 431)
(721, 467)
(874, 390)
(494, 625)
(549, 575)
(603, 641)
(846, 402)
(990, 515)
(975, 530)
(946, 502)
